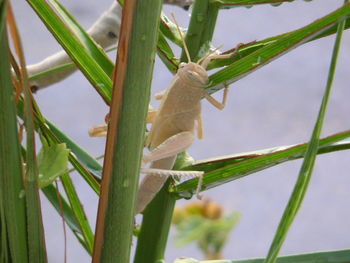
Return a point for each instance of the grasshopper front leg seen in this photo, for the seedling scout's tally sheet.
(205, 63)
(214, 102)
(101, 130)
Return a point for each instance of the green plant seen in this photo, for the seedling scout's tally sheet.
(142, 22)
(205, 223)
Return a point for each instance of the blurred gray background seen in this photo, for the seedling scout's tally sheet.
(276, 105)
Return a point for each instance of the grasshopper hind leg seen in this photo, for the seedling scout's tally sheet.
(155, 179)
(164, 156)
(174, 173)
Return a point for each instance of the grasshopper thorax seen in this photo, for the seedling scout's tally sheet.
(193, 74)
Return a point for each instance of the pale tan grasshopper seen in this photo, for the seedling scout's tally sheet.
(173, 125)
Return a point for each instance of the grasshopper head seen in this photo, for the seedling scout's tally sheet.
(193, 74)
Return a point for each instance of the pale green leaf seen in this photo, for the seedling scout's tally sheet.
(53, 162)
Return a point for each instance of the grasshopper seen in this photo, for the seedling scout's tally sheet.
(173, 125)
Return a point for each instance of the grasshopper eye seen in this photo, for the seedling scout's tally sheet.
(182, 64)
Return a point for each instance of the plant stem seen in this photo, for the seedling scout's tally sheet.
(155, 227)
(157, 217)
(13, 210)
(133, 75)
(35, 228)
(201, 29)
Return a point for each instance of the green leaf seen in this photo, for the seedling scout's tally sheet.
(53, 162)
(78, 210)
(62, 207)
(13, 216)
(90, 45)
(76, 154)
(80, 155)
(268, 53)
(221, 170)
(75, 48)
(166, 54)
(190, 230)
(75, 223)
(196, 228)
(169, 30)
(248, 48)
(85, 165)
(306, 169)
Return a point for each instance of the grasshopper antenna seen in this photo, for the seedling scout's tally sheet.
(182, 38)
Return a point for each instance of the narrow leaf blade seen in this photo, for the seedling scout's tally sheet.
(74, 48)
(265, 55)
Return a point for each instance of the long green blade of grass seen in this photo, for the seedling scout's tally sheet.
(12, 201)
(86, 160)
(35, 228)
(62, 207)
(79, 212)
(248, 48)
(221, 170)
(305, 173)
(169, 30)
(74, 48)
(262, 56)
(5, 250)
(74, 216)
(84, 165)
(74, 212)
(166, 54)
(56, 136)
(90, 46)
(171, 62)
